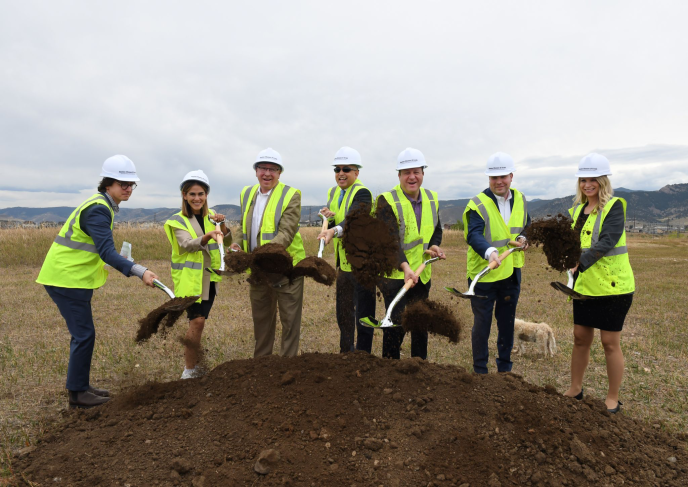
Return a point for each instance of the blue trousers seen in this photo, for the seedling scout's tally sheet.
(392, 338)
(502, 297)
(353, 303)
(75, 307)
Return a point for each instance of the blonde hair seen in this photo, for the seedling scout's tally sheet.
(186, 207)
(604, 194)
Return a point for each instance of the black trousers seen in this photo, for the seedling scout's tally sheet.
(353, 303)
(392, 338)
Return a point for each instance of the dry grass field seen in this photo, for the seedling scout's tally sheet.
(34, 342)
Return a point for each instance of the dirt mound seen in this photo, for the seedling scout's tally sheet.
(238, 261)
(559, 241)
(149, 324)
(352, 419)
(371, 244)
(316, 268)
(432, 317)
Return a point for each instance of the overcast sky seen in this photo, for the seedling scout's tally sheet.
(178, 86)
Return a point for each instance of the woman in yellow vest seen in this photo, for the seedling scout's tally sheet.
(75, 266)
(604, 273)
(194, 241)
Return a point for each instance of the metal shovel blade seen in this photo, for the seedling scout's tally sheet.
(467, 295)
(560, 286)
(373, 323)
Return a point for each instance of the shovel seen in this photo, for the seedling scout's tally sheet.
(170, 311)
(322, 240)
(222, 254)
(387, 320)
(568, 288)
(177, 306)
(471, 290)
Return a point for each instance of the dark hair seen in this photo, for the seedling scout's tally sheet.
(105, 183)
(186, 208)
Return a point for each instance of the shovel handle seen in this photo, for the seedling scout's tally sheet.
(504, 255)
(325, 224)
(418, 272)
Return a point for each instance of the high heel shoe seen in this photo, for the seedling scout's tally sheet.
(616, 409)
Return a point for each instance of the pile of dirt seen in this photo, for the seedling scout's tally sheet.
(559, 241)
(271, 258)
(432, 317)
(352, 419)
(317, 269)
(149, 324)
(371, 244)
(238, 261)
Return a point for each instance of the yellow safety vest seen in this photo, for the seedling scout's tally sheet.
(611, 274)
(187, 267)
(414, 243)
(497, 234)
(279, 200)
(73, 259)
(340, 214)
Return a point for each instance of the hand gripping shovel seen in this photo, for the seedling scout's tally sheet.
(568, 288)
(322, 240)
(387, 320)
(222, 254)
(471, 290)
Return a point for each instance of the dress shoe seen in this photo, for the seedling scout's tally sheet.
(85, 400)
(98, 392)
(616, 409)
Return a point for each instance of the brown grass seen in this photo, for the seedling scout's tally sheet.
(34, 342)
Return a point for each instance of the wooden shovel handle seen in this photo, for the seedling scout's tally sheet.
(418, 272)
(504, 255)
(325, 224)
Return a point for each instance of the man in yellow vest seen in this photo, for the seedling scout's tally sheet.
(353, 300)
(75, 266)
(492, 219)
(271, 212)
(417, 214)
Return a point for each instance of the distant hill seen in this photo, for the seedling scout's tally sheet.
(670, 202)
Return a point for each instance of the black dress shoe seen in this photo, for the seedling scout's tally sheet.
(616, 409)
(98, 392)
(579, 396)
(85, 400)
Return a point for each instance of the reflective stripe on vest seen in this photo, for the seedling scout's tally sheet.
(620, 250)
(67, 239)
(488, 227)
(278, 215)
(402, 221)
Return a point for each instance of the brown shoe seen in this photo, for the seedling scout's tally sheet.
(98, 392)
(85, 400)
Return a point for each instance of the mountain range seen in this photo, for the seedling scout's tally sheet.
(668, 203)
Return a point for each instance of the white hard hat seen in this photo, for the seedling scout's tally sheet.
(346, 156)
(269, 155)
(410, 158)
(594, 165)
(500, 164)
(120, 168)
(195, 176)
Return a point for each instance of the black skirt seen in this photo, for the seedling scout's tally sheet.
(604, 313)
(197, 310)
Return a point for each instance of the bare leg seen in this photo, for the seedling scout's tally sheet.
(582, 340)
(611, 341)
(193, 341)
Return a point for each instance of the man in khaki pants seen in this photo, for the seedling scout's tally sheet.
(271, 212)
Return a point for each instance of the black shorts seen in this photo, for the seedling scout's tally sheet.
(197, 310)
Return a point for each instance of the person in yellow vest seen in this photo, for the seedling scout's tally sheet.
(75, 266)
(417, 214)
(194, 239)
(603, 273)
(271, 212)
(353, 300)
(491, 219)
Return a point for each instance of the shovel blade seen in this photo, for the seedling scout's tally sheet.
(458, 293)
(373, 323)
(560, 286)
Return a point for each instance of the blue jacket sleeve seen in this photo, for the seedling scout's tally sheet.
(475, 237)
(95, 221)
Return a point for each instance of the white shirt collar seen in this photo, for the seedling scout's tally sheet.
(503, 199)
(264, 194)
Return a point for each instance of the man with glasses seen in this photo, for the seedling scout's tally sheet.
(75, 266)
(353, 300)
(271, 212)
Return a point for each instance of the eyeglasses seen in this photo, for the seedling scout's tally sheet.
(270, 170)
(126, 186)
(345, 169)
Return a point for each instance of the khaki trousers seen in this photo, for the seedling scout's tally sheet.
(264, 301)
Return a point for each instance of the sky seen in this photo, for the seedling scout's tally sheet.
(179, 86)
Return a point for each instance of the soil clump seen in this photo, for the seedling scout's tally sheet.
(432, 317)
(371, 244)
(238, 261)
(271, 258)
(560, 243)
(317, 269)
(287, 421)
(169, 311)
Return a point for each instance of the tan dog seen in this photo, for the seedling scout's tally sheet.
(539, 333)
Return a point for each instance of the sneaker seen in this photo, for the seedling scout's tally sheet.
(192, 373)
